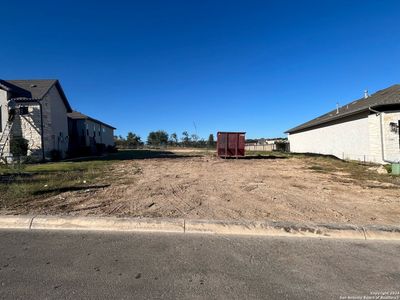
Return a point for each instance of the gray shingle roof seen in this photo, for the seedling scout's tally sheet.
(76, 115)
(4, 86)
(386, 97)
(28, 90)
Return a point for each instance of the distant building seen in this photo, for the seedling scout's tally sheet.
(267, 144)
(365, 129)
(86, 132)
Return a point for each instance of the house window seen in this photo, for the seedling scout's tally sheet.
(23, 110)
(87, 132)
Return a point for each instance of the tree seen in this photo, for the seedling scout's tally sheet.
(133, 140)
(174, 139)
(157, 138)
(185, 138)
(119, 141)
(201, 143)
(211, 141)
(195, 138)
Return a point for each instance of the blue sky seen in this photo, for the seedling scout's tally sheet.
(255, 66)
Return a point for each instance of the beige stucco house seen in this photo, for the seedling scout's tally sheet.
(366, 129)
(40, 109)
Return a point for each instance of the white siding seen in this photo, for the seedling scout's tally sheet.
(358, 138)
(348, 139)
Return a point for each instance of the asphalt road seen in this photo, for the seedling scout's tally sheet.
(66, 265)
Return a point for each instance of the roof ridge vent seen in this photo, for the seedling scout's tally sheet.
(366, 95)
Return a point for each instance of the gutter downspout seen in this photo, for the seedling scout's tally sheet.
(379, 113)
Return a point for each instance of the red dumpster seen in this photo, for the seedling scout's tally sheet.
(230, 144)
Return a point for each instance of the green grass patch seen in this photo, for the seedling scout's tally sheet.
(36, 181)
(27, 182)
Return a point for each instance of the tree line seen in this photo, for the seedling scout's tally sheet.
(161, 138)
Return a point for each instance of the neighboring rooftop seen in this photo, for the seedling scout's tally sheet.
(28, 90)
(386, 97)
(76, 115)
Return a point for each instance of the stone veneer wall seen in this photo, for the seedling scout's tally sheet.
(390, 138)
(29, 127)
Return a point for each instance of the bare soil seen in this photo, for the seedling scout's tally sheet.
(299, 189)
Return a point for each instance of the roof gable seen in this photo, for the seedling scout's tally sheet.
(27, 90)
(385, 97)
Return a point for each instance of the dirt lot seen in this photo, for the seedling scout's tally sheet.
(287, 188)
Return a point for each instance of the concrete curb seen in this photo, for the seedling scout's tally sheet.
(377, 232)
(107, 224)
(275, 229)
(254, 228)
(16, 222)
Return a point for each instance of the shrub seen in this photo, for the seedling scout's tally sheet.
(18, 146)
(31, 160)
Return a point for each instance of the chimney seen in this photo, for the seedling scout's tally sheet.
(337, 107)
(366, 95)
